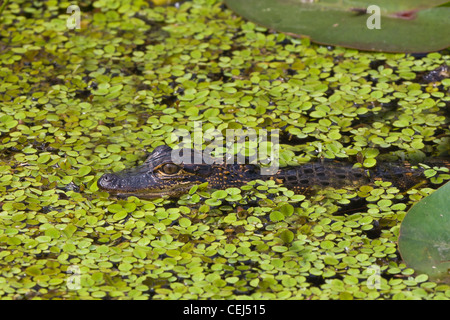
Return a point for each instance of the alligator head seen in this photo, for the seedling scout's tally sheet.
(168, 172)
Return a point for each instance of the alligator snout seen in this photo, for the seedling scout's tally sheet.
(126, 182)
(108, 181)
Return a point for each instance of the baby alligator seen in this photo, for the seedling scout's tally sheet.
(159, 176)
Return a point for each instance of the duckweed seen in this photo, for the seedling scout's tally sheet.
(78, 103)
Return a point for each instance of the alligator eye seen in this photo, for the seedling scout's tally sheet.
(170, 168)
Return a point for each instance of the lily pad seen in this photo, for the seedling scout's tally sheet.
(424, 241)
(374, 25)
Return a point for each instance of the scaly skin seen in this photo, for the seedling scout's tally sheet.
(159, 176)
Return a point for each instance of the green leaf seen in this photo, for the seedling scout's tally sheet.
(84, 170)
(287, 236)
(219, 194)
(287, 210)
(393, 26)
(33, 270)
(184, 222)
(276, 216)
(52, 233)
(120, 215)
(69, 230)
(424, 241)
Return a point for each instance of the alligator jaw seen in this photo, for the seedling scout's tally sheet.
(147, 195)
(133, 183)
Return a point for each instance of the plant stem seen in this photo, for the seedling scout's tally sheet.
(5, 3)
